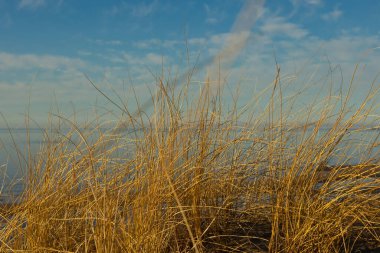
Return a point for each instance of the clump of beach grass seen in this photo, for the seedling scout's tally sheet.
(195, 176)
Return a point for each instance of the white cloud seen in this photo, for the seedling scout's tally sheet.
(280, 26)
(298, 55)
(214, 14)
(314, 2)
(107, 42)
(306, 5)
(31, 61)
(31, 4)
(147, 60)
(351, 48)
(144, 44)
(197, 41)
(333, 15)
(308, 63)
(143, 9)
(298, 58)
(15, 85)
(67, 89)
(212, 21)
(157, 43)
(155, 58)
(307, 2)
(230, 40)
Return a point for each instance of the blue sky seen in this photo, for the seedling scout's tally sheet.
(46, 47)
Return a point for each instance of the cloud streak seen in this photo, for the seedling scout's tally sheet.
(333, 15)
(31, 61)
(280, 26)
(31, 4)
(240, 32)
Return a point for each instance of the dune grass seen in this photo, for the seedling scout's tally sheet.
(195, 176)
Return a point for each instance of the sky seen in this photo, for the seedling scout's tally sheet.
(49, 49)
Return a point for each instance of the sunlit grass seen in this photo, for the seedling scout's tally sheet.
(197, 177)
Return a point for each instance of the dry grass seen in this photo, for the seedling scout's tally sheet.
(194, 178)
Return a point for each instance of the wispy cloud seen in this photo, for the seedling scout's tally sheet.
(31, 61)
(107, 42)
(213, 14)
(212, 21)
(147, 60)
(197, 41)
(157, 43)
(333, 15)
(307, 2)
(155, 58)
(308, 5)
(230, 43)
(43, 89)
(314, 2)
(144, 44)
(144, 9)
(311, 59)
(31, 4)
(280, 26)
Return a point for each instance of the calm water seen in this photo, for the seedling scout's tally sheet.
(12, 162)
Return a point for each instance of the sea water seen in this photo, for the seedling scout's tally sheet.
(17, 144)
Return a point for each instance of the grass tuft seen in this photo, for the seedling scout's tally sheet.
(196, 176)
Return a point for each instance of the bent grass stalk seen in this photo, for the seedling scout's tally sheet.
(195, 177)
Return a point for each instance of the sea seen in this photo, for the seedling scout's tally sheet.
(17, 144)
